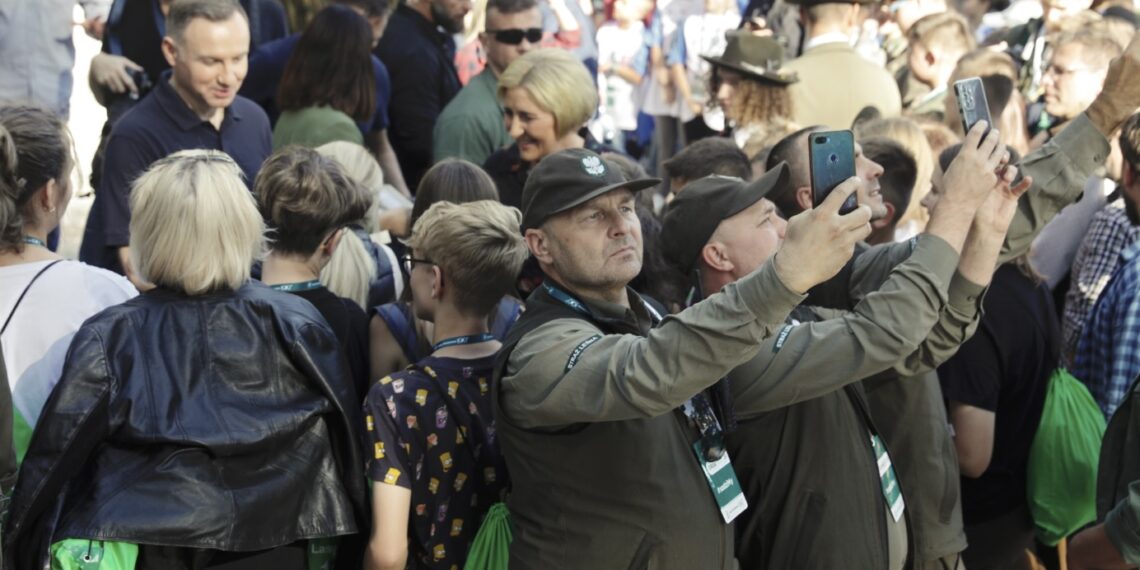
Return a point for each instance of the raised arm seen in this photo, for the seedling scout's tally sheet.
(567, 372)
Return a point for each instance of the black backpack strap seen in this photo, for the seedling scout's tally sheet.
(25, 292)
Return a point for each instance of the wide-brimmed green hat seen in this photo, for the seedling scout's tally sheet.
(757, 56)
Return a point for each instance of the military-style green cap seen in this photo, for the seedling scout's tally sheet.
(570, 178)
(692, 217)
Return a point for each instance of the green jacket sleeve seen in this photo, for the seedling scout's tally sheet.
(1059, 170)
(955, 326)
(888, 327)
(1123, 525)
(566, 371)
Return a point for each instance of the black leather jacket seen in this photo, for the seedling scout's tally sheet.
(221, 421)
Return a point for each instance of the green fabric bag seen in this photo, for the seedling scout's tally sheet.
(1063, 459)
(85, 554)
(491, 549)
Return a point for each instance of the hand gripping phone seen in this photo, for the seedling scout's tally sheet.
(972, 105)
(831, 155)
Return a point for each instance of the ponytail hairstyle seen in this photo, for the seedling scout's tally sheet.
(34, 149)
(351, 270)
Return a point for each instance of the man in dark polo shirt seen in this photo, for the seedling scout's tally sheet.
(419, 52)
(194, 106)
(267, 66)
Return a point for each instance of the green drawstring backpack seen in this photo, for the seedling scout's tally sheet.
(492, 545)
(1061, 485)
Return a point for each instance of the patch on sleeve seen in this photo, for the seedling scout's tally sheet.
(577, 352)
(782, 337)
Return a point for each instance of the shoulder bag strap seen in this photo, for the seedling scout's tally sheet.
(25, 292)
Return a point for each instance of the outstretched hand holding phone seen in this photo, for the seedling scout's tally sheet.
(819, 241)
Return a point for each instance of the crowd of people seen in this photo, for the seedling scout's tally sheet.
(550, 284)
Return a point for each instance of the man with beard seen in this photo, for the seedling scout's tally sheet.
(419, 51)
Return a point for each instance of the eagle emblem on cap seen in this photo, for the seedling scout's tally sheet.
(594, 166)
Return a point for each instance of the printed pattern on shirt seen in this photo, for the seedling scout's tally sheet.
(1097, 259)
(1108, 356)
(430, 431)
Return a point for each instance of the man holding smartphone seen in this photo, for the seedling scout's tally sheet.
(911, 412)
(615, 452)
(801, 412)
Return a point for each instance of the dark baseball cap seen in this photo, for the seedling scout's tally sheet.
(692, 217)
(570, 178)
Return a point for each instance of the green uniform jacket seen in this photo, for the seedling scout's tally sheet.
(471, 126)
(836, 83)
(600, 457)
(803, 450)
(1118, 479)
(910, 413)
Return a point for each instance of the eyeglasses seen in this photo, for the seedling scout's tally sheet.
(408, 262)
(514, 36)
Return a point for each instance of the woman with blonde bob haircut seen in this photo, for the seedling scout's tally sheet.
(202, 238)
(547, 97)
(209, 404)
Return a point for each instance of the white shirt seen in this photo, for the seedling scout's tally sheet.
(39, 334)
(831, 38)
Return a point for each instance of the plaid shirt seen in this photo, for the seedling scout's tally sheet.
(1108, 357)
(1110, 233)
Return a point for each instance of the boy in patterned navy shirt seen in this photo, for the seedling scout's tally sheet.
(436, 467)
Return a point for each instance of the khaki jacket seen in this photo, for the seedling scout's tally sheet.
(836, 83)
(802, 448)
(910, 412)
(601, 460)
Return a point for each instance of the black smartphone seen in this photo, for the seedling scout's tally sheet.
(972, 105)
(831, 155)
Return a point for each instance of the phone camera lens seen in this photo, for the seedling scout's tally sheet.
(820, 140)
(834, 158)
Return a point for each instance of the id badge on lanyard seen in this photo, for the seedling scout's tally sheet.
(714, 460)
(890, 483)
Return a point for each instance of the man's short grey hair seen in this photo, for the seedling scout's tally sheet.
(182, 12)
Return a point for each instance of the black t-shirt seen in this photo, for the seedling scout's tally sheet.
(350, 325)
(1005, 369)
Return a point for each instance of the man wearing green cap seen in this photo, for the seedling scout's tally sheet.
(615, 453)
(817, 476)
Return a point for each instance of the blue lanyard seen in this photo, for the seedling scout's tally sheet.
(461, 340)
(294, 287)
(566, 299)
(577, 305)
(32, 240)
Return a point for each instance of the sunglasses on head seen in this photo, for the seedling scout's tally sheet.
(514, 36)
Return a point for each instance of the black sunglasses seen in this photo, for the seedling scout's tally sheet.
(514, 36)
